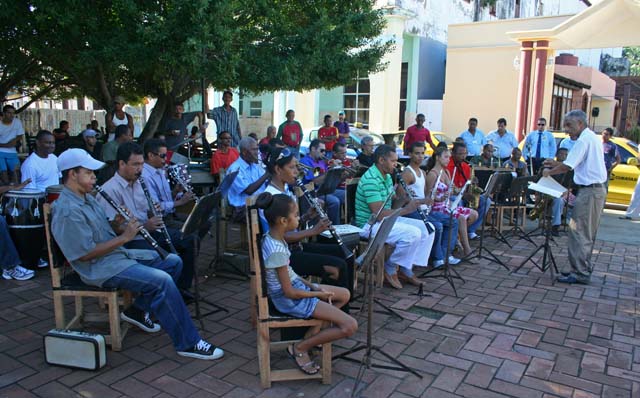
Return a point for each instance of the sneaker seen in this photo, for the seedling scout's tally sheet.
(203, 350)
(454, 260)
(555, 230)
(42, 263)
(473, 236)
(141, 319)
(18, 273)
(438, 263)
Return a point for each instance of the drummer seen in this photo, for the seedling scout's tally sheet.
(11, 268)
(41, 167)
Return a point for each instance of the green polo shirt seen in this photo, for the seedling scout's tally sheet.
(373, 187)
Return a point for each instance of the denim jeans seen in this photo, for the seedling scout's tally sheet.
(8, 253)
(332, 204)
(483, 208)
(154, 280)
(440, 222)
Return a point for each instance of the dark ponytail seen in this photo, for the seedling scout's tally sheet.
(274, 206)
(271, 161)
(431, 163)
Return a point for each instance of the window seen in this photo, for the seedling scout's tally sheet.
(560, 105)
(255, 109)
(356, 102)
(404, 76)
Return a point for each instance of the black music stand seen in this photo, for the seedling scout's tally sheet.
(198, 224)
(332, 179)
(519, 188)
(375, 247)
(500, 184)
(219, 261)
(490, 256)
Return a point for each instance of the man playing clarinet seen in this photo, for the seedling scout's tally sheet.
(79, 225)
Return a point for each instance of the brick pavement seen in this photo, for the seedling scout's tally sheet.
(506, 335)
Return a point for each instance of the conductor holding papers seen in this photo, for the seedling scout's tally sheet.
(96, 252)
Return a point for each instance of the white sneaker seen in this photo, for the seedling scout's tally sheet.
(18, 273)
(42, 263)
(438, 263)
(203, 350)
(473, 236)
(454, 260)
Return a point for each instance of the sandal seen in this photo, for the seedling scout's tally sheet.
(309, 368)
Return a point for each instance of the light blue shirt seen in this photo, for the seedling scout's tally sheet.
(567, 143)
(159, 188)
(547, 148)
(474, 142)
(248, 173)
(503, 145)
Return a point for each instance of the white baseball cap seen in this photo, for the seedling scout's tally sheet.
(77, 157)
(90, 133)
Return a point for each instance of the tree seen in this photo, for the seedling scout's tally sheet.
(164, 48)
(633, 55)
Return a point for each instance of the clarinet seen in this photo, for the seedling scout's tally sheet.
(314, 203)
(186, 186)
(154, 212)
(143, 232)
(422, 212)
(450, 192)
(434, 190)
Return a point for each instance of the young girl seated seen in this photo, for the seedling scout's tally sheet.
(293, 295)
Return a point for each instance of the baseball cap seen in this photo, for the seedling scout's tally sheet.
(341, 113)
(77, 157)
(90, 133)
(119, 99)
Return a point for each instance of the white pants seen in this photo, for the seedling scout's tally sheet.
(412, 241)
(634, 207)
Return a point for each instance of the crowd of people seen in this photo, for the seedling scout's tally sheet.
(106, 249)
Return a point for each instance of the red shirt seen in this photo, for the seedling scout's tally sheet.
(463, 172)
(291, 134)
(221, 160)
(414, 134)
(328, 132)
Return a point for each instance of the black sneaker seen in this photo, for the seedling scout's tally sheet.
(203, 350)
(141, 319)
(555, 230)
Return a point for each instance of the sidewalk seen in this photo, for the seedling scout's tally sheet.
(504, 336)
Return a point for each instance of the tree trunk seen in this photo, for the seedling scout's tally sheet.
(163, 103)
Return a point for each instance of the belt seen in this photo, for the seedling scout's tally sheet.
(597, 185)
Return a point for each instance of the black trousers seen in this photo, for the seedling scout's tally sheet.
(184, 246)
(314, 256)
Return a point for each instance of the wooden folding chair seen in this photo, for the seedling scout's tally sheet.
(67, 283)
(268, 318)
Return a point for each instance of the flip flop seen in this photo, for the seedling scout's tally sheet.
(308, 368)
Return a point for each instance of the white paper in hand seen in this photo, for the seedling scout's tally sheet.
(548, 186)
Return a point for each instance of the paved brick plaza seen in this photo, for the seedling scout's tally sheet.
(504, 336)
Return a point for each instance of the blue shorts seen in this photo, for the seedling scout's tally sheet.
(8, 161)
(301, 308)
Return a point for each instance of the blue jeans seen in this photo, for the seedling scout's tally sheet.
(9, 161)
(332, 204)
(483, 208)
(8, 252)
(440, 222)
(557, 207)
(154, 280)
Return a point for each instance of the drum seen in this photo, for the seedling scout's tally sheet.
(25, 219)
(53, 192)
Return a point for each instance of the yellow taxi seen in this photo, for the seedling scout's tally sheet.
(397, 139)
(624, 176)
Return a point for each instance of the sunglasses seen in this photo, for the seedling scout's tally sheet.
(160, 155)
(323, 150)
(541, 124)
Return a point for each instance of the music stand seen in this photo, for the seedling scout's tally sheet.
(519, 188)
(375, 248)
(332, 179)
(218, 261)
(498, 185)
(490, 256)
(547, 254)
(198, 224)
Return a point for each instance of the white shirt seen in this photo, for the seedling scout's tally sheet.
(42, 171)
(585, 158)
(9, 132)
(418, 186)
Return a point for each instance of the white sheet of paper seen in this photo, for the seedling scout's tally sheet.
(548, 186)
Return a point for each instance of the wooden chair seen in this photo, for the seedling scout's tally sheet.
(67, 283)
(268, 318)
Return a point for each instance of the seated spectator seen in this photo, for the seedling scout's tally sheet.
(516, 164)
(41, 167)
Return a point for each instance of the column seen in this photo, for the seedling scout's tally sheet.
(542, 47)
(524, 84)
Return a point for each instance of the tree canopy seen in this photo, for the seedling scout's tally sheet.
(164, 48)
(633, 55)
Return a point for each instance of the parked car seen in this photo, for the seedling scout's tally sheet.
(436, 136)
(353, 145)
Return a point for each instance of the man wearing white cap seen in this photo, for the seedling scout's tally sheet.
(91, 144)
(87, 240)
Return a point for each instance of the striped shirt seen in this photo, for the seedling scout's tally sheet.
(275, 254)
(227, 121)
(373, 187)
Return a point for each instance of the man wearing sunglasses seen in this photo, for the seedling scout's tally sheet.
(539, 145)
(317, 169)
(155, 175)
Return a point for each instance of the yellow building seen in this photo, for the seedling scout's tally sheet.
(506, 68)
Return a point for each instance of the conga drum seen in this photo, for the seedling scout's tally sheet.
(53, 192)
(25, 219)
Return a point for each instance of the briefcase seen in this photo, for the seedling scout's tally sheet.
(75, 349)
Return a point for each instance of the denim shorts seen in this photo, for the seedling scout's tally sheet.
(9, 161)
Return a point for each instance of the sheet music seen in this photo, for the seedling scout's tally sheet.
(343, 229)
(548, 186)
